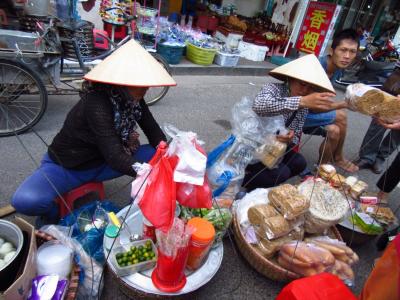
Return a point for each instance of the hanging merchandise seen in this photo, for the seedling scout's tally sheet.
(116, 16)
(158, 200)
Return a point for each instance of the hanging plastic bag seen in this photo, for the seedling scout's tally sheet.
(158, 200)
(140, 183)
(188, 159)
(191, 164)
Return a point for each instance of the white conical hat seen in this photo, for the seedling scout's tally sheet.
(307, 69)
(130, 65)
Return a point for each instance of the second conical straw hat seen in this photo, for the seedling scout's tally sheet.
(131, 65)
(307, 69)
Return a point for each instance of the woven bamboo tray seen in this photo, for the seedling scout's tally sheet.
(73, 283)
(267, 267)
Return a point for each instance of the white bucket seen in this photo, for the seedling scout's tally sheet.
(37, 7)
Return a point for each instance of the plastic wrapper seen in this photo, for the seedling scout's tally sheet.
(338, 181)
(45, 287)
(140, 183)
(358, 189)
(373, 102)
(271, 153)
(221, 219)
(366, 223)
(90, 284)
(176, 237)
(326, 171)
(241, 207)
(343, 271)
(274, 227)
(383, 215)
(288, 201)
(258, 213)
(305, 258)
(338, 248)
(327, 205)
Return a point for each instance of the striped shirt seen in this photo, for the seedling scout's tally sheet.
(274, 99)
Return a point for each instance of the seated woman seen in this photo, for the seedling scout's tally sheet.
(98, 140)
(306, 86)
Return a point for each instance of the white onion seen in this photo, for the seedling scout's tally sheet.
(2, 263)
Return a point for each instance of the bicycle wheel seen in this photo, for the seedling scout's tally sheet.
(23, 97)
(155, 94)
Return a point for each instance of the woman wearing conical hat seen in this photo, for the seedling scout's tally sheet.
(305, 86)
(99, 139)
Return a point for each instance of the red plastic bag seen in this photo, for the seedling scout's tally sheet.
(194, 196)
(322, 286)
(158, 201)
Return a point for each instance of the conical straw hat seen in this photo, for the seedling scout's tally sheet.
(131, 65)
(307, 69)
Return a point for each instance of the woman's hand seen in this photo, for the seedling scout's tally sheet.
(395, 126)
(318, 102)
(286, 138)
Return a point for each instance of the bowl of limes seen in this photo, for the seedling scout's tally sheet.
(134, 257)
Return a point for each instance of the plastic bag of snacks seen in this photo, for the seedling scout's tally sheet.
(373, 102)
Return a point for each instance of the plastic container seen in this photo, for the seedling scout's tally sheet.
(131, 269)
(172, 54)
(112, 232)
(54, 258)
(226, 59)
(200, 243)
(252, 52)
(200, 56)
(169, 275)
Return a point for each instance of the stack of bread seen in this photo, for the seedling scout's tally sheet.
(279, 221)
(373, 102)
(327, 205)
(318, 254)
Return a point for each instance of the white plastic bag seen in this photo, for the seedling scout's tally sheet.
(191, 166)
(141, 181)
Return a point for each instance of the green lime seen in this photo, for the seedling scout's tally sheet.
(140, 248)
(133, 248)
(146, 255)
(130, 253)
(136, 261)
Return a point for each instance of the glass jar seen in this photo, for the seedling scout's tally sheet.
(200, 243)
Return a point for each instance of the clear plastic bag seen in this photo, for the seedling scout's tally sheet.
(373, 102)
(241, 207)
(271, 152)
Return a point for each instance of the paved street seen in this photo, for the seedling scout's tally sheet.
(201, 104)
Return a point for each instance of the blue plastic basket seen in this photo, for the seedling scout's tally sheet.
(172, 54)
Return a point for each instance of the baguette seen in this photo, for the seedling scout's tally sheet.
(308, 253)
(296, 261)
(299, 270)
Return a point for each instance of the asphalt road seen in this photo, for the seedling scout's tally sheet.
(201, 104)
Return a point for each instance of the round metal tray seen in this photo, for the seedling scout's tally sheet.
(142, 280)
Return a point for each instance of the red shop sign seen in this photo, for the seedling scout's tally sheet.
(317, 27)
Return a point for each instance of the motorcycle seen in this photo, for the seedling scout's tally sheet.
(372, 73)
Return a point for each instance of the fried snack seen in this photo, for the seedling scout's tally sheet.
(384, 215)
(274, 227)
(288, 201)
(326, 172)
(357, 189)
(338, 181)
(258, 213)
